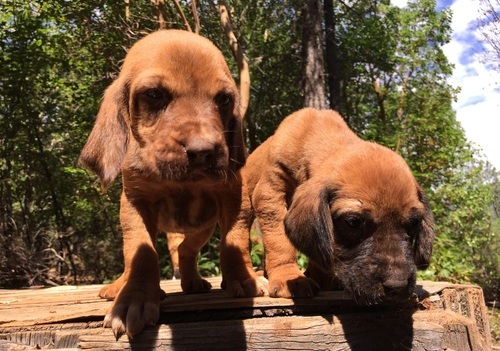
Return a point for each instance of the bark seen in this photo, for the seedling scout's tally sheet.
(332, 58)
(312, 40)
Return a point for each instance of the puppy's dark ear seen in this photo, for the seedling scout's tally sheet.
(235, 143)
(309, 224)
(105, 147)
(425, 237)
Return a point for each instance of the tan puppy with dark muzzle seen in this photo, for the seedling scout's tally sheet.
(171, 124)
(352, 206)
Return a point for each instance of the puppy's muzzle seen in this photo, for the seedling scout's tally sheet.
(399, 288)
(395, 285)
(201, 153)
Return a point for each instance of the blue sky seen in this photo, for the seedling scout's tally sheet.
(478, 103)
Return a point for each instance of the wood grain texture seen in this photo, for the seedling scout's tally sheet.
(443, 317)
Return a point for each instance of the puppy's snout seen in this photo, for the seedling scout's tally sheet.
(201, 152)
(395, 285)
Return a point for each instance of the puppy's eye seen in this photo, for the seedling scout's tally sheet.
(157, 97)
(413, 223)
(155, 94)
(353, 221)
(223, 100)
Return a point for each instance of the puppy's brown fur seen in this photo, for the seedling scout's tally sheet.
(353, 207)
(171, 124)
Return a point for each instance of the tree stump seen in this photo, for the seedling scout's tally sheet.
(442, 316)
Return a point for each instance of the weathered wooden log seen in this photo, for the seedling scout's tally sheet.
(441, 317)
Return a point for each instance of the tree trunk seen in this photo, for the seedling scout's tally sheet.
(312, 41)
(332, 58)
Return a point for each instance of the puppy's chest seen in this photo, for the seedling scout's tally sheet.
(185, 210)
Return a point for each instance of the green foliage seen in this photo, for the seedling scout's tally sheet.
(270, 34)
(257, 250)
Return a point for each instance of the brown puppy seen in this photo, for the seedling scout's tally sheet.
(171, 124)
(353, 207)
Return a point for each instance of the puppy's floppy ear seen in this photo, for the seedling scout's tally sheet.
(309, 224)
(425, 237)
(236, 145)
(105, 147)
(234, 139)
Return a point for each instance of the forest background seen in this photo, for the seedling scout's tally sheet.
(381, 66)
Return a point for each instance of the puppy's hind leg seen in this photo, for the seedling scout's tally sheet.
(173, 241)
(239, 277)
(189, 249)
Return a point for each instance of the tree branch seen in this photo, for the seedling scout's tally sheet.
(160, 10)
(195, 16)
(239, 56)
(184, 19)
(400, 111)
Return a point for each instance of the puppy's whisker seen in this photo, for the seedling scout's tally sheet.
(232, 172)
(223, 173)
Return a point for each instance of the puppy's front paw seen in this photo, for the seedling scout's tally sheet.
(246, 287)
(110, 291)
(133, 309)
(291, 283)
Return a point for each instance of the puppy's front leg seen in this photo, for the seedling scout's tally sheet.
(239, 277)
(138, 302)
(285, 278)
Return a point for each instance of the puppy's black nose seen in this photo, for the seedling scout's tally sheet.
(395, 285)
(200, 152)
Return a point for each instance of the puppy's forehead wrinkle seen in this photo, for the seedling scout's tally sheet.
(384, 183)
(174, 64)
(186, 85)
(344, 205)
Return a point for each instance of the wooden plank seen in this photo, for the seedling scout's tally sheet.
(56, 304)
(444, 316)
(442, 331)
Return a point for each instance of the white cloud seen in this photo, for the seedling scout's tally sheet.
(399, 3)
(478, 102)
